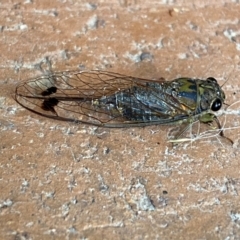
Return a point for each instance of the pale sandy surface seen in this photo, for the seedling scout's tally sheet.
(64, 181)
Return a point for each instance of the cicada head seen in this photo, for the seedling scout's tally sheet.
(211, 95)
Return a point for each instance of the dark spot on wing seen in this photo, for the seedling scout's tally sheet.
(49, 91)
(49, 104)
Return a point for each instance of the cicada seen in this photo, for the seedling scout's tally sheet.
(113, 100)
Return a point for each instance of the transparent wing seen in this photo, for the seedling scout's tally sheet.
(96, 97)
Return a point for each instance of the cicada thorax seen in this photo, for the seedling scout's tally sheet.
(198, 97)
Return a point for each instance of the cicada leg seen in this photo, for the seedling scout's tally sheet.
(183, 129)
(207, 119)
(221, 130)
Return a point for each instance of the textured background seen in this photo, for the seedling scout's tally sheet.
(66, 181)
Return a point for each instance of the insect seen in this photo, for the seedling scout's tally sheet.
(113, 100)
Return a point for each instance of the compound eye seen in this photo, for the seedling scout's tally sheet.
(212, 79)
(216, 105)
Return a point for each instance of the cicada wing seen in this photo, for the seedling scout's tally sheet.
(74, 96)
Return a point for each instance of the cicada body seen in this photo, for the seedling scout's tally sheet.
(113, 100)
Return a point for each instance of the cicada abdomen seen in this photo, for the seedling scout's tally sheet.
(113, 100)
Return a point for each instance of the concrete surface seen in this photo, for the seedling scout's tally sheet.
(64, 181)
